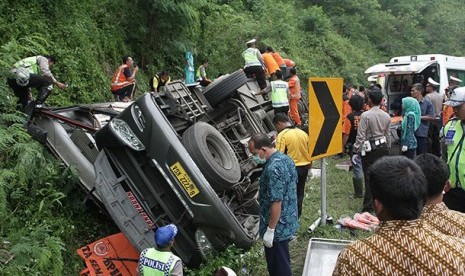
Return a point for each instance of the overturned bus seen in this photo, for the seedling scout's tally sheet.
(178, 156)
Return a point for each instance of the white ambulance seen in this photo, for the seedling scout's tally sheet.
(401, 72)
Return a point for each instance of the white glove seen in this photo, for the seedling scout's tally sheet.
(404, 148)
(355, 158)
(268, 237)
(253, 93)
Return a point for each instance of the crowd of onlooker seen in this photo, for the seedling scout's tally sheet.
(417, 196)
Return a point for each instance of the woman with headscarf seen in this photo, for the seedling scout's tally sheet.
(410, 123)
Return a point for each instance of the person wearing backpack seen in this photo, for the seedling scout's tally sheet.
(160, 79)
(33, 72)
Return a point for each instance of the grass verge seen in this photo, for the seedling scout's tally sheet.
(340, 203)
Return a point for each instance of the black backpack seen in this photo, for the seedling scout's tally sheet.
(151, 84)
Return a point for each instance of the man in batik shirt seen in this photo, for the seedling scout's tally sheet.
(403, 244)
(278, 203)
(436, 213)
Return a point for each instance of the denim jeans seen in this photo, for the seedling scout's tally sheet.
(357, 167)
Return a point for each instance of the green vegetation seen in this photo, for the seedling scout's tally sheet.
(42, 215)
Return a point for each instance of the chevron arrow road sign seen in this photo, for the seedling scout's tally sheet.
(325, 121)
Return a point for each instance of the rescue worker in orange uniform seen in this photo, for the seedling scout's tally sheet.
(270, 63)
(294, 97)
(289, 62)
(123, 83)
(279, 60)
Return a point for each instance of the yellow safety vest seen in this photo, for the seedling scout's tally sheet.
(250, 56)
(29, 63)
(456, 153)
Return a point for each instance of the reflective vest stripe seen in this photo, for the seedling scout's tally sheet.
(119, 79)
(153, 262)
(455, 151)
(279, 91)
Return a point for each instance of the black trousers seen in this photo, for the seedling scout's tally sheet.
(282, 109)
(302, 173)
(278, 260)
(422, 144)
(42, 83)
(125, 91)
(367, 161)
(259, 74)
(455, 199)
(410, 154)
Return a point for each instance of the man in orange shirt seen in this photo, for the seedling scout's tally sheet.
(294, 97)
(279, 60)
(289, 62)
(349, 133)
(270, 63)
(123, 82)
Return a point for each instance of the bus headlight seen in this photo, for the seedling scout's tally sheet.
(126, 134)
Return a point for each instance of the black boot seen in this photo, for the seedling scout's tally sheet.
(358, 187)
(43, 94)
(367, 199)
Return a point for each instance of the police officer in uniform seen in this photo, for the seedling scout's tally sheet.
(280, 94)
(161, 261)
(254, 64)
(454, 137)
(434, 125)
(373, 140)
(33, 72)
(447, 111)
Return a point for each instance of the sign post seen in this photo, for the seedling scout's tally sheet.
(323, 191)
(325, 127)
